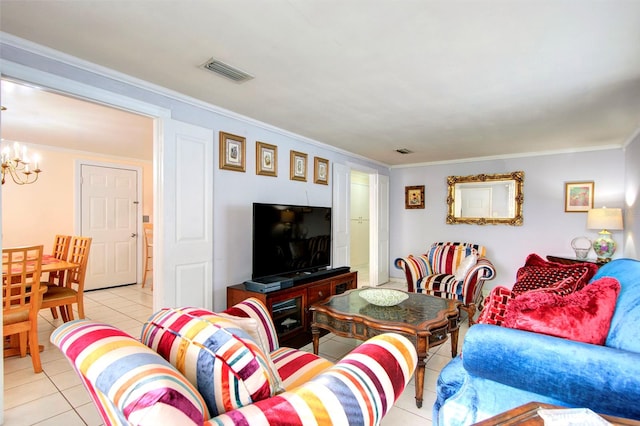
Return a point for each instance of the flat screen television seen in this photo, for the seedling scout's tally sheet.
(290, 239)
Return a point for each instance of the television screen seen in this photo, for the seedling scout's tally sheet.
(289, 239)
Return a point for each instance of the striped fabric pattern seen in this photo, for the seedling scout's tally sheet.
(129, 383)
(358, 390)
(439, 279)
(297, 367)
(444, 258)
(466, 290)
(294, 367)
(216, 356)
(415, 266)
(441, 285)
(254, 308)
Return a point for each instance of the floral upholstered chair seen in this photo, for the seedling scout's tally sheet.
(451, 270)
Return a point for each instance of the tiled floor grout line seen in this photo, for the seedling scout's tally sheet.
(61, 392)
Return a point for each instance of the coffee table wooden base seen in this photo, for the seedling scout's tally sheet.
(429, 335)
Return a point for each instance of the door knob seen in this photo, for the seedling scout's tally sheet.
(133, 235)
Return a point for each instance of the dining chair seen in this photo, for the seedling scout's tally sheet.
(148, 252)
(73, 290)
(60, 251)
(21, 299)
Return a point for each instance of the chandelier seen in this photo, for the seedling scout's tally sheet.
(16, 163)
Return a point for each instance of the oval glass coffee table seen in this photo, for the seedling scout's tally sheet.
(425, 320)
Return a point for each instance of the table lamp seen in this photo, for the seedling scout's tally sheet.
(606, 220)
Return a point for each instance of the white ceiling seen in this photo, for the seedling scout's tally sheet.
(36, 116)
(447, 79)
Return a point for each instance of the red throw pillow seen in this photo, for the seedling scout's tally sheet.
(495, 304)
(538, 273)
(562, 288)
(584, 315)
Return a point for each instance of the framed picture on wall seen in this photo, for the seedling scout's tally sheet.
(414, 197)
(232, 152)
(298, 166)
(266, 159)
(321, 171)
(578, 196)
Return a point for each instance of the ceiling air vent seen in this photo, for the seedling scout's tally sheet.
(404, 151)
(227, 71)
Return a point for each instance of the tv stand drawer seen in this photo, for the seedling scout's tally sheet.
(316, 293)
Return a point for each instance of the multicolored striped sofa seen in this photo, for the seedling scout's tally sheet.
(195, 367)
(451, 270)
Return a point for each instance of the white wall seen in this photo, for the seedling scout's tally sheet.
(632, 199)
(33, 214)
(234, 192)
(547, 229)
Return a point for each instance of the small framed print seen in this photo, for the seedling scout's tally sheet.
(298, 166)
(578, 196)
(232, 152)
(414, 197)
(320, 171)
(266, 159)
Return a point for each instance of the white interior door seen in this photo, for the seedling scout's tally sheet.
(109, 211)
(183, 235)
(341, 215)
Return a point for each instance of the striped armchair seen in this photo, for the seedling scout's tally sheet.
(195, 367)
(450, 270)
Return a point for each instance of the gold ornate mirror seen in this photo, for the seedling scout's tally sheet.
(486, 199)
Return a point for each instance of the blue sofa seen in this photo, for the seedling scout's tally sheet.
(501, 368)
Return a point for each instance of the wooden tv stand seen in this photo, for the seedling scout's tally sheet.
(289, 307)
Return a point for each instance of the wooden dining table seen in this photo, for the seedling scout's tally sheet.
(49, 264)
(53, 264)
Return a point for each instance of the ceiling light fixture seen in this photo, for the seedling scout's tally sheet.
(227, 71)
(16, 163)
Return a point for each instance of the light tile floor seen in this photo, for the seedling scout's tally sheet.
(56, 396)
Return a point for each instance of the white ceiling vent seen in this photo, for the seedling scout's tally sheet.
(227, 71)
(404, 151)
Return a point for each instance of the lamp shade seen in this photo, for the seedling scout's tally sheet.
(604, 218)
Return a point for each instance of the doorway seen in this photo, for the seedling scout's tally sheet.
(377, 207)
(360, 235)
(79, 130)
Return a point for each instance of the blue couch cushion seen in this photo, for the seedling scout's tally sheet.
(624, 332)
(451, 378)
(580, 374)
